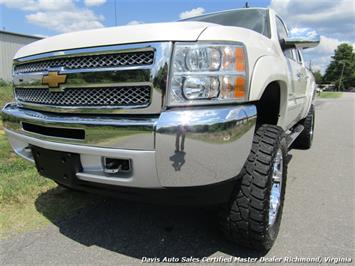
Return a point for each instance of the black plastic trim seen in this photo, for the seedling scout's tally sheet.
(68, 133)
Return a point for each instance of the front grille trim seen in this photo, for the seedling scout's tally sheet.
(87, 97)
(94, 61)
(154, 75)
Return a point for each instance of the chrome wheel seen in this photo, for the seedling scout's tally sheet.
(276, 186)
(312, 127)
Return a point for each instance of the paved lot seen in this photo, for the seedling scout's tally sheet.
(318, 215)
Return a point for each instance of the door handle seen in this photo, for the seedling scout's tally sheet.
(301, 75)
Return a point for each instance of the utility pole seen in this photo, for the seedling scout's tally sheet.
(341, 75)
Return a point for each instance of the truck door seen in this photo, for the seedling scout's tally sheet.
(296, 80)
(302, 76)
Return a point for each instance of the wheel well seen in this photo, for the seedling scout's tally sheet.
(268, 107)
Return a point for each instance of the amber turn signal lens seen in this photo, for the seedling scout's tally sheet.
(239, 59)
(239, 87)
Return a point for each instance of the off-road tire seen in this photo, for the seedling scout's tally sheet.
(245, 219)
(305, 139)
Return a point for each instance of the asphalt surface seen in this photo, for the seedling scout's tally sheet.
(318, 218)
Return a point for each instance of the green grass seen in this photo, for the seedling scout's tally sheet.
(330, 94)
(6, 94)
(28, 200)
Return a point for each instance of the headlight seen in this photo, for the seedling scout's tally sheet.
(207, 74)
(203, 59)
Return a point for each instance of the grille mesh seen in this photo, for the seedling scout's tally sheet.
(86, 97)
(92, 61)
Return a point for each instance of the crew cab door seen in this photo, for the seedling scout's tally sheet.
(297, 78)
(301, 75)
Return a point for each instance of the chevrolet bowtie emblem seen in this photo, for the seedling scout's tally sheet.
(53, 79)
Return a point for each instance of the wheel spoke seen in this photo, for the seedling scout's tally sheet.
(276, 186)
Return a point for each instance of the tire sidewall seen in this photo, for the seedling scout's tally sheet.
(313, 120)
(245, 219)
(305, 139)
(309, 127)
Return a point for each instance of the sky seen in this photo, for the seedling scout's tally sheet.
(333, 19)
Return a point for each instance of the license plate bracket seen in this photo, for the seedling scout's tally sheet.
(57, 165)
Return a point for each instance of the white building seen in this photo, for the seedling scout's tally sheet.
(10, 42)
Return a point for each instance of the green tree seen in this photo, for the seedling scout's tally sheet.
(318, 76)
(343, 60)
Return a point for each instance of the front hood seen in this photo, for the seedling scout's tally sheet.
(172, 31)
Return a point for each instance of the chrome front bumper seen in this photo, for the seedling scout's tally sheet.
(178, 148)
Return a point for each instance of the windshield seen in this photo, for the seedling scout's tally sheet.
(252, 19)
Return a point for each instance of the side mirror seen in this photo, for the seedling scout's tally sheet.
(302, 38)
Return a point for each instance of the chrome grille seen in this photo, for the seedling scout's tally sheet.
(90, 61)
(87, 97)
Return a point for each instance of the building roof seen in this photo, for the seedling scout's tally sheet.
(21, 35)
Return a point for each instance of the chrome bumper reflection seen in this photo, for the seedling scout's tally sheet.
(100, 131)
(189, 147)
(205, 146)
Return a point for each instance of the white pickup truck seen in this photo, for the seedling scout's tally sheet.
(199, 111)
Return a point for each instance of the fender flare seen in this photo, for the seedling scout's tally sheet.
(268, 69)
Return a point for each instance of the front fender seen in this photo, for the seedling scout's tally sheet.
(268, 69)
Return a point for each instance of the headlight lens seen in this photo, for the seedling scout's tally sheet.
(200, 87)
(203, 59)
(207, 74)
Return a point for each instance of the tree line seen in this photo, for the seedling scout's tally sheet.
(341, 70)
